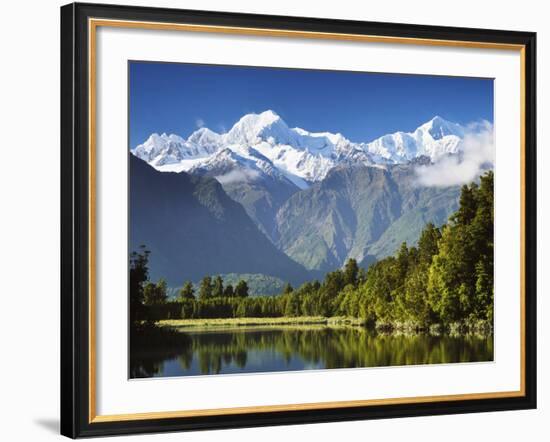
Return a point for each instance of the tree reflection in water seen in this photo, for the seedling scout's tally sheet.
(255, 349)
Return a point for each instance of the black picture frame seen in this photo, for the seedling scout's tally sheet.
(75, 220)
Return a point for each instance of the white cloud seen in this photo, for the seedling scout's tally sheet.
(236, 176)
(200, 122)
(478, 154)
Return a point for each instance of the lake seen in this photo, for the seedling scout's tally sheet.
(290, 348)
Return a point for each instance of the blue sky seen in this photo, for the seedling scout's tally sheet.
(179, 98)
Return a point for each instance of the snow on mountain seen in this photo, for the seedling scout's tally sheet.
(210, 141)
(434, 139)
(229, 165)
(160, 150)
(263, 144)
(255, 128)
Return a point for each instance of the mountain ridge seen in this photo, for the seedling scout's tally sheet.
(303, 157)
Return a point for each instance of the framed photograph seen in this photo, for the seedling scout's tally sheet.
(279, 220)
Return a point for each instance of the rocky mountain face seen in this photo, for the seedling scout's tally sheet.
(359, 212)
(193, 228)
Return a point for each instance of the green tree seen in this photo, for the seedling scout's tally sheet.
(483, 232)
(205, 289)
(240, 312)
(467, 205)
(460, 278)
(217, 290)
(241, 290)
(333, 284)
(483, 291)
(379, 289)
(351, 272)
(139, 275)
(228, 291)
(308, 305)
(427, 243)
(324, 304)
(402, 264)
(187, 291)
(149, 293)
(287, 289)
(347, 302)
(292, 307)
(361, 276)
(155, 294)
(414, 302)
(187, 308)
(446, 275)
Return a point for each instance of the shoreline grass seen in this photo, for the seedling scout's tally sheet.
(481, 328)
(249, 322)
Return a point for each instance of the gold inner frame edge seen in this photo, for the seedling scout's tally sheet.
(93, 24)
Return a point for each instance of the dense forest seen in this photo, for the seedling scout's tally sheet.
(446, 278)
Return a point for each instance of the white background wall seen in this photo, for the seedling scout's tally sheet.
(29, 220)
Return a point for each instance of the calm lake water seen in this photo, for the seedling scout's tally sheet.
(286, 348)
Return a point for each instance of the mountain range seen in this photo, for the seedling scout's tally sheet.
(284, 202)
(267, 146)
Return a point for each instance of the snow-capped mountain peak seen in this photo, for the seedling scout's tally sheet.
(161, 149)
(155, 142)
(254, 128)
(438, 128)
(265, 142)
(167, 152)
(205, 136)
(434, 139)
